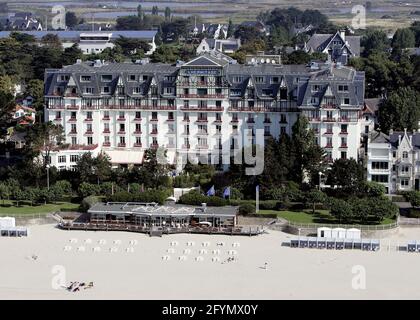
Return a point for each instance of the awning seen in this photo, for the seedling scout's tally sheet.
(126, 157)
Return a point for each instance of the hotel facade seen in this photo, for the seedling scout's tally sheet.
(206, 107)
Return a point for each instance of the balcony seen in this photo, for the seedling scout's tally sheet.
(268, 121)
(202, 146)
(121, 132)
(121, 145)
(328, 132)
(106, 131)
(89, 132)
(154, 146)
(170, 146)
(73, 119)
(88, 120)
(267, 134)
(171, 132)
(202, 96)
(314, 119)
(170, 119)
(137, 132)
(186, 133)
(186, 146)
(57, 120)
(73, 132)
(250, 121)
(154, 120)
(56, 107)
(106, 118)
(218, 121)
(202, 120)
(186, 120)
(138, 145)
(202, 133)
(329, 120)
(328, 146)
(73, 107)
(283, 121)
(121, 119)
(106, 144)
(137, 119)
(343, 146)
(234, 121)
(154, 132)
(201, 108)
(344, 132)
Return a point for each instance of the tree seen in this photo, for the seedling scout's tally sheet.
(7, 84)
(341, 210)
(35, 89)
(401, 110)
(71, 19)
(168, 14)
(84, 168)
(231, 29)
(102, 167)
(346, 174)
(88, 189)
(307, 157)
(7, 103)
(373, 189)
(414, 198)
(315, 196)
(140, 12)
(247, 34)
(45, 137)
(374, 41)
(51, 40)
(403, 39)
(298, 57)
(4, 192)
(19, 196)
(71, 55)
(132, 46)
(155, 10)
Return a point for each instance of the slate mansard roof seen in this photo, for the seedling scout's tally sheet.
(266, 79)
(318, 42)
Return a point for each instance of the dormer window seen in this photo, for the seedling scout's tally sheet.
(106, 90)
(85, 78)
(346, 101)
(237, 79)
(343, 88)
(137, 90)
(132, 77)
(267, 92)
(145, 78)
(106, 78)
(275, 80)
(316, 88)
(89, 90)
(405, 155)
(259, 79)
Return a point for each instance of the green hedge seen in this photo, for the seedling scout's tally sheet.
(414, 213)
(195, 198)
(158, 196)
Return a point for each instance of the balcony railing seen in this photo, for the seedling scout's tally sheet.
(137, 132)
(106, 131)
(106, 144)
(138, 145)
(202, 120)
(344, 132)
(121, 132)
(89, 132)
(154, 145)
(250, 121)
(154, 120)
(73, 132)
(202, 146)
(186, 146)
(329, 132)
(73, 119)
(314, 119)
(106, 118)
(121, 119)
(201, 108)
(121, 145)
(329, 119)
(154, 132)
(88, 120)
(170, 119)
(343, 146)
(202, 96)
(137, 119)
(329, 145)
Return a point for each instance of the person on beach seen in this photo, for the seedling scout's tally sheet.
(266, 266)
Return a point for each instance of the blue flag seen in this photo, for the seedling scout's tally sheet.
(211, 192)
(226, 193)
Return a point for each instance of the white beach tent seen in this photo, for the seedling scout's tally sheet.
(324, 232)
(338, 233)
(7, 222)
(353, 233)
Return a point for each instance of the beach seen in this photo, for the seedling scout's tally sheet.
(136, 266)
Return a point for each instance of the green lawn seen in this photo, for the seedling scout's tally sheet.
(9, 208)
(306, 216)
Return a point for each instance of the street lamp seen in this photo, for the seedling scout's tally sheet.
(48, 176)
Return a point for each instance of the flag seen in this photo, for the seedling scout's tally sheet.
(211, 192)
(226, 193)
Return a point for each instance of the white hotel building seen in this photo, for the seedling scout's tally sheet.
(202, 107)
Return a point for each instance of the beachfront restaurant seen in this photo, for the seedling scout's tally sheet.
(149, 215)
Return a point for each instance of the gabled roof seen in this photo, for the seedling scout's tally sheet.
(206, 61)
(379, 137)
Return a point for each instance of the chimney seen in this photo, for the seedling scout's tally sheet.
(343, 35)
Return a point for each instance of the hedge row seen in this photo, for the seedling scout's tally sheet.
(158, 196)
(195, 198)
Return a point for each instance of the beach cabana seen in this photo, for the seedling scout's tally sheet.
(348, 243)
(313, 242)
(339, 244)
(338, 233)
(303, 242)
(412, 246)
(7, 222)
(330, 243)
(324, 232)
(375, 244)
(294, 243)
(357, 243)
(321, 243)
(353, 233)
(366, 244)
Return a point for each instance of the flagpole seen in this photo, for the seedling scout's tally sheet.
(257, 199)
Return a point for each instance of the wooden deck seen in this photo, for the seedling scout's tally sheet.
(235, 231)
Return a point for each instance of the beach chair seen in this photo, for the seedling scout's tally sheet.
(294, 243)
(312, 243)
(321, 243)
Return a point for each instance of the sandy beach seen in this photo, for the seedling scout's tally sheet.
(133, 266)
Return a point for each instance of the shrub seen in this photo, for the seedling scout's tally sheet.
(65, 186)
(158, 196)
(196, 199)
(88, 189)
(88, 203)
(246, 209)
